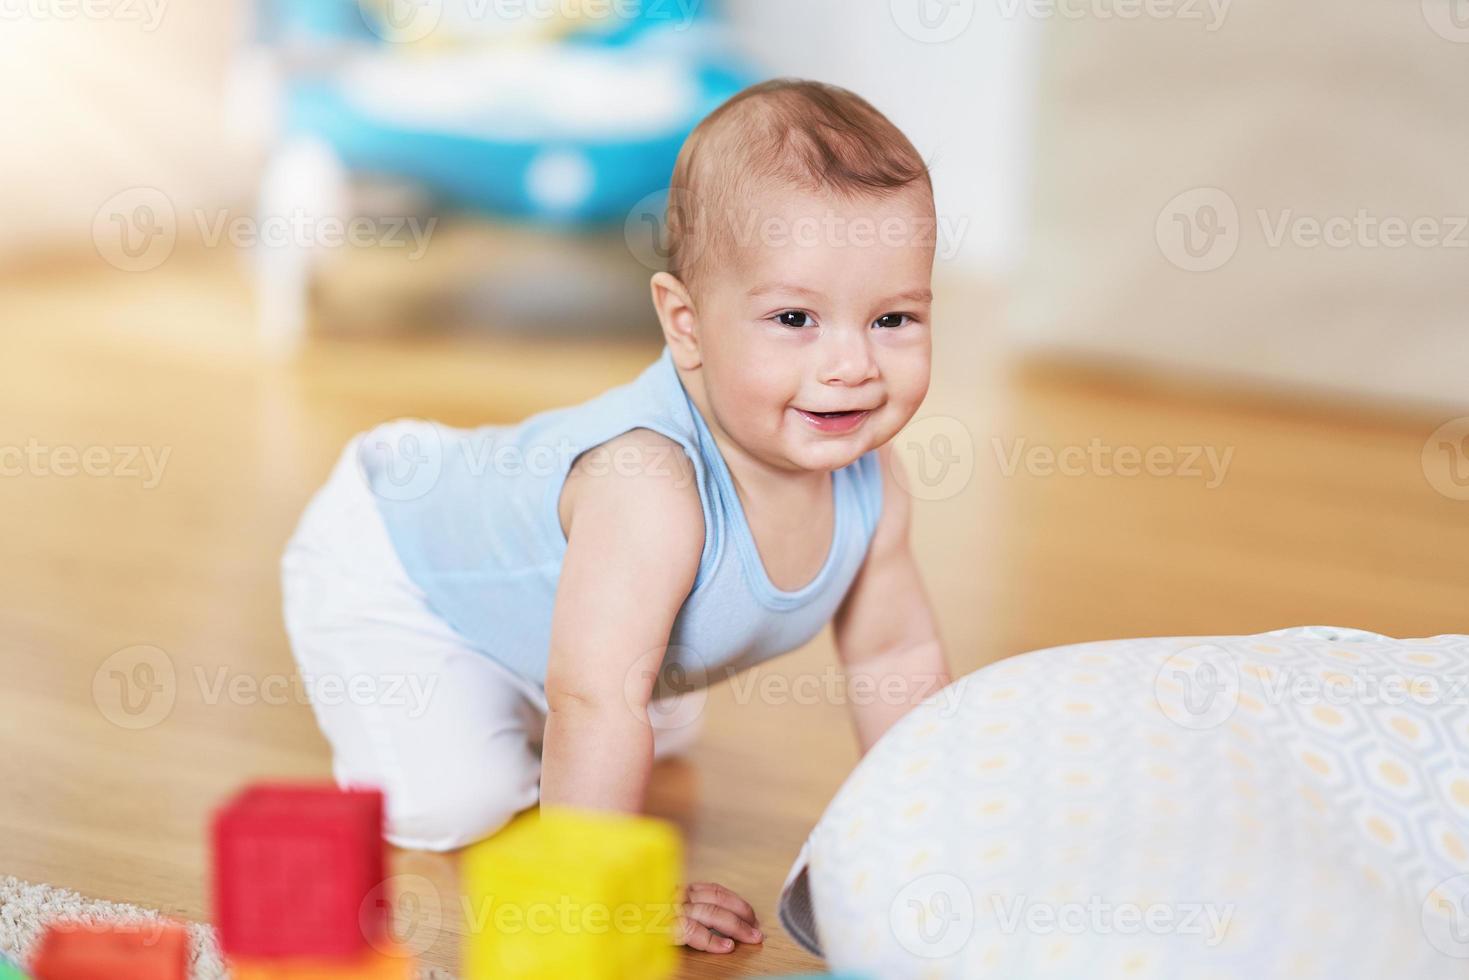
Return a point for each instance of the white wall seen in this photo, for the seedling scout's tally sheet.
(1280, 126)
(965, 102)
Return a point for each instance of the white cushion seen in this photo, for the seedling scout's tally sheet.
(1293, 804)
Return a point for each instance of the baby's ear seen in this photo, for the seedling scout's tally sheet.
(678, 318)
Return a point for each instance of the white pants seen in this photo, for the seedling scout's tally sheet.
(451, 737)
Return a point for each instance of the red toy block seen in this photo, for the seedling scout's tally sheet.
(294, 866)
(134, 951)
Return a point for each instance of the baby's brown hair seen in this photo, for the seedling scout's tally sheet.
(801, 133)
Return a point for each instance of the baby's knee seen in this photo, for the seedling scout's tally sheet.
(457, 813)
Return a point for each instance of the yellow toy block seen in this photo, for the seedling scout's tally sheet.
(373, 964)
(573, 893)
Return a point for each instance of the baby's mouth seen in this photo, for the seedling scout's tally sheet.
(843, 421)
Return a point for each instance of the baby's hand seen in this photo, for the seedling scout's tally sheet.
(711, 917)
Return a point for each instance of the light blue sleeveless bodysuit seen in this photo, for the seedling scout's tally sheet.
(472, 514)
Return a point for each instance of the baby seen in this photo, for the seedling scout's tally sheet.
(506, 609)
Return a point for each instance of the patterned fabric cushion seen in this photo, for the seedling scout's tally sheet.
(1293, 804)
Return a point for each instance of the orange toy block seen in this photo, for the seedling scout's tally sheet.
(387, 963)
(134, 951)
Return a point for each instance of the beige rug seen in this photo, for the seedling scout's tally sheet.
(26, 908)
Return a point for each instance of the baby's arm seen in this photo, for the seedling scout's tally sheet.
(634, 537)
(886, 638)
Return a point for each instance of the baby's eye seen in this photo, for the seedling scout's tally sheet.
(890, 320)
(794, 318)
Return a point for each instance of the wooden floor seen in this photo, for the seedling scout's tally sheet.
(1323, 516)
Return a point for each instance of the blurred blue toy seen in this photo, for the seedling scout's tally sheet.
(519, 111)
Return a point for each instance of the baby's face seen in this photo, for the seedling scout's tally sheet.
(824, 309)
